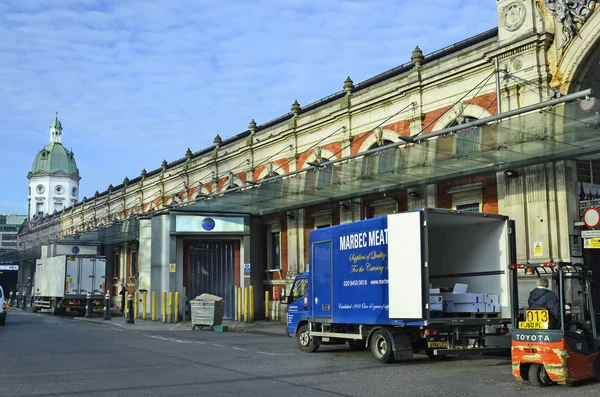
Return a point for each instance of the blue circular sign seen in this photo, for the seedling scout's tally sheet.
(208, 224)
(75, 250)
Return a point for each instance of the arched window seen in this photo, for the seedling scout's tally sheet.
(386, 159)
(469, 139)
(385, 142)
(271, 175)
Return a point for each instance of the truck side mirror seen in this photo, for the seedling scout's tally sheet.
(285, 299)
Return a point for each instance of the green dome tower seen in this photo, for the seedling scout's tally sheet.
(54, 176)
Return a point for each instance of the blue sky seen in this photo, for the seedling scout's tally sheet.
(139, 81)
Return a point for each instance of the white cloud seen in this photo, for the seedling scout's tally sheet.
(139, 81)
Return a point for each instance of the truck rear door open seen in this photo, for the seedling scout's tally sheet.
(406, 266)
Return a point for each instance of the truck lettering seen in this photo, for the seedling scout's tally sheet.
(373, 238)
(376, 268)
(357, 269)
(354, 283)
(377, 255)
(533, 338)
(354, 258)
(353, 241)
(377, 237)
(364, 306)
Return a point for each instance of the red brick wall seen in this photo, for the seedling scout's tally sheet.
(309, 222)
(334, 147)
(487, 101)
(283, 163)
(401, 127)
(358, 140)
(432, 118)
(489, 191)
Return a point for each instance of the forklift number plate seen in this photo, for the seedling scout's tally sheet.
(535, 319)
(537, 315)
(442, 345)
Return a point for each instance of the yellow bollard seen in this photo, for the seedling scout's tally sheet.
(164, 307)
(176, 319)
(136, 300)
(145, 304)
(170, 315)
(267, 305)
(126, 306)
(239, 304)
(246, 304)
(153, 304)
(251, 292)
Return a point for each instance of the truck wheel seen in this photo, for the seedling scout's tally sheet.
(597, 369)
(357, 345)
(53, 309)
(381, 347)
(306, 343)
(538, 376)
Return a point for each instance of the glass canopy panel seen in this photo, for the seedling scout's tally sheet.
(560, 132)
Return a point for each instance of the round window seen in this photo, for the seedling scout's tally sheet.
(74, 191)
(58, 189)
(40, 189)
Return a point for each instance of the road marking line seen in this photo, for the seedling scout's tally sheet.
(239, 348)
(274, 354)
(169, 339)
(214, 344)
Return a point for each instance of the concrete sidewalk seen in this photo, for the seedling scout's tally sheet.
(274, 328)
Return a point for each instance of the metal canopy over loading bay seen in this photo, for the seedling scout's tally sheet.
(557, 129)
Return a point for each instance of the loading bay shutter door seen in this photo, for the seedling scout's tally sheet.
(405, 266)
(212, 270)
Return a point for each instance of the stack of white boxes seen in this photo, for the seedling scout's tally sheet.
(436, 302)
(460, 301)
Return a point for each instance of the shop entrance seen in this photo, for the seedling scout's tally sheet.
(211, 268)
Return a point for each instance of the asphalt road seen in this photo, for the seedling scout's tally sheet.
(42, 355)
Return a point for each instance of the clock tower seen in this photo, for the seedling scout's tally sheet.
(54, 177)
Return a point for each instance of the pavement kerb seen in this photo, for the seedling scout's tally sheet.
(101, 322)
(143, 325)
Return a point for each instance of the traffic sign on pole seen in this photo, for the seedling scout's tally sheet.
(591, 217)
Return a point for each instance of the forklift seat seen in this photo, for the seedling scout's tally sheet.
(577, 342)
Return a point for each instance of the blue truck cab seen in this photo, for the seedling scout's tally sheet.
(297, 309)
(369, 284)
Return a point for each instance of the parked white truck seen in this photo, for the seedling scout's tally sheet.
(62, 283)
